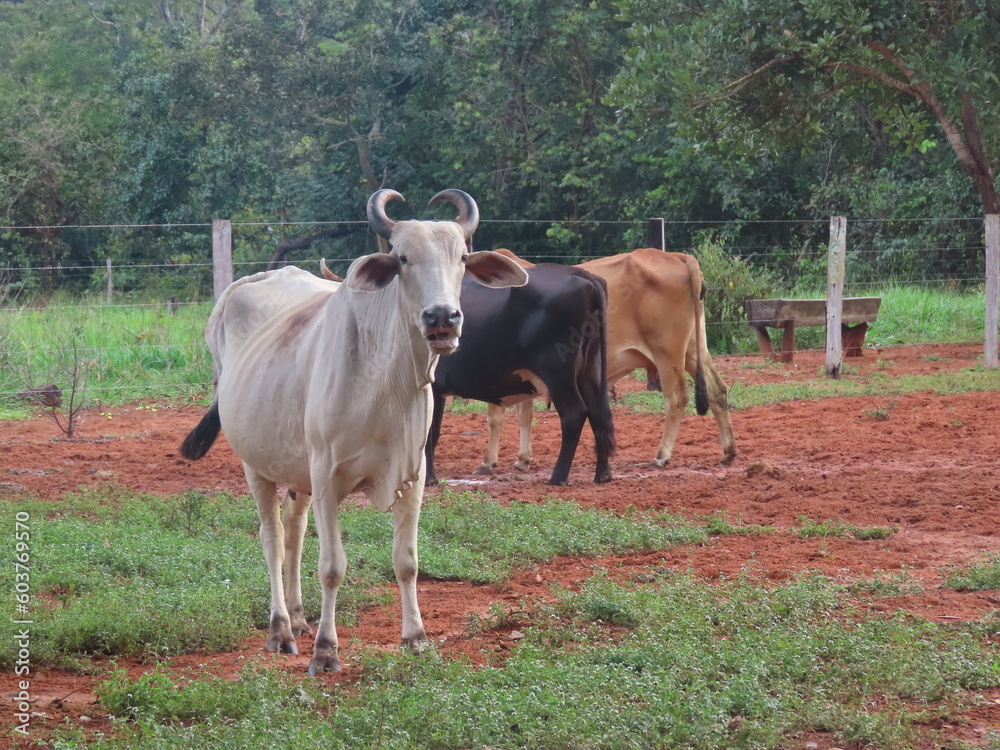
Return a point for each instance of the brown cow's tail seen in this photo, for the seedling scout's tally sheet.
(201, 438)
(698, 296)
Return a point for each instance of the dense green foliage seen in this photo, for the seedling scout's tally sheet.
(570, 124)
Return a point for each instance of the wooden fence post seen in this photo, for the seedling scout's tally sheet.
(992, 289)
(222, 256)
(111, 287)
(835, 294)
(655, 236)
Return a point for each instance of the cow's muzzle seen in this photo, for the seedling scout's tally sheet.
(442, 325)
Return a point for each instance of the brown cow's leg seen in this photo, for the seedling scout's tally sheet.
(494, 420)
(525, 415)
(675, 398)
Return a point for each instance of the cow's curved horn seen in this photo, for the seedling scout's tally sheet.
(468, 211)
(381, 223)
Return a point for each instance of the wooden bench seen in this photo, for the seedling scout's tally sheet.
(788, 314)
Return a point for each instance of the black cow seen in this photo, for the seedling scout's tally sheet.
(551, 333)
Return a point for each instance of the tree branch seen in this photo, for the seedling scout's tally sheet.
(301, 243)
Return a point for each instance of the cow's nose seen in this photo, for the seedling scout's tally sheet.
(442, 316)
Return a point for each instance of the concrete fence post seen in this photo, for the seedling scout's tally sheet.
(992, 289)
(222, 256)
(835, 270)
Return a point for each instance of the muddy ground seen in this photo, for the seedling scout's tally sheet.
(922, 463)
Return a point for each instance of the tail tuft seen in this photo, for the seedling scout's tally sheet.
(700, 391)
(201, 438)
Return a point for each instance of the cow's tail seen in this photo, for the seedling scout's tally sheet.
(698, 299)
(201, 438)
(602, 422)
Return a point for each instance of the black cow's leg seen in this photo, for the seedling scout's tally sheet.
(572, 414)
(599, 413)
(434, 435)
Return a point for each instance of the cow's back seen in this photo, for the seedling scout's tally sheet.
(506, 329)
(652, 300)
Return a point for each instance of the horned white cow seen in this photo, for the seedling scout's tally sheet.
(324, 388)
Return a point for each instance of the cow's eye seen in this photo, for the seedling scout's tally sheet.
(465, 257)
(403, 260)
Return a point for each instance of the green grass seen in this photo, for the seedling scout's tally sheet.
(186, 574)
(668, 664)
(129, 352)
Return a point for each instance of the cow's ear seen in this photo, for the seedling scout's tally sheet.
(492, 269)
(371, 273)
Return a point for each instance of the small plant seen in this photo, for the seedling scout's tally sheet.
(868, 533)
(192, 513)
(839, 529)
(898, 584)
(69, 364)
(718, 524)
(879, 413)
(978, 577)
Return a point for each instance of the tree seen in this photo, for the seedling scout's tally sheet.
(765, 75)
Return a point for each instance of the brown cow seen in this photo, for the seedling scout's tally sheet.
(656, 321)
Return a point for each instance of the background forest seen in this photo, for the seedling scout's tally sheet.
(745, 124)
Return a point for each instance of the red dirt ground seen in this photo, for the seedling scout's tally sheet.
(928, 468)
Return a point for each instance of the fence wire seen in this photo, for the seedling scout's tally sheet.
(151, 322)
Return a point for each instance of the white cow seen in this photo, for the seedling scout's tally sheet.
(324, 388)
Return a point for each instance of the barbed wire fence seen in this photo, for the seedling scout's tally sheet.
(142, 319)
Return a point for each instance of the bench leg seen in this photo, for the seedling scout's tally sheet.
(853, 338)
(764, 341)
(787, 342)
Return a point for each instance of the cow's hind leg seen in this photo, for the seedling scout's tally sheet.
(572, 414)
(525, 414)
(272, 539)
(494, 421)
(405, 514)
(718, 399)
(295, 519)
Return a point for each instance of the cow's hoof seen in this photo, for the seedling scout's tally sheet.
(603, 478)
(329, 662)
(300, 627)
(520, 465)
(284, 645)
(557, 482)
(658, 464)
(417, 643)
(728, 460)
(279, 636)
(485, 470)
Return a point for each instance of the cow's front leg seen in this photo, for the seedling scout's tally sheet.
(405, 515)
(332, 566)
(295, 519)
(265, 492)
